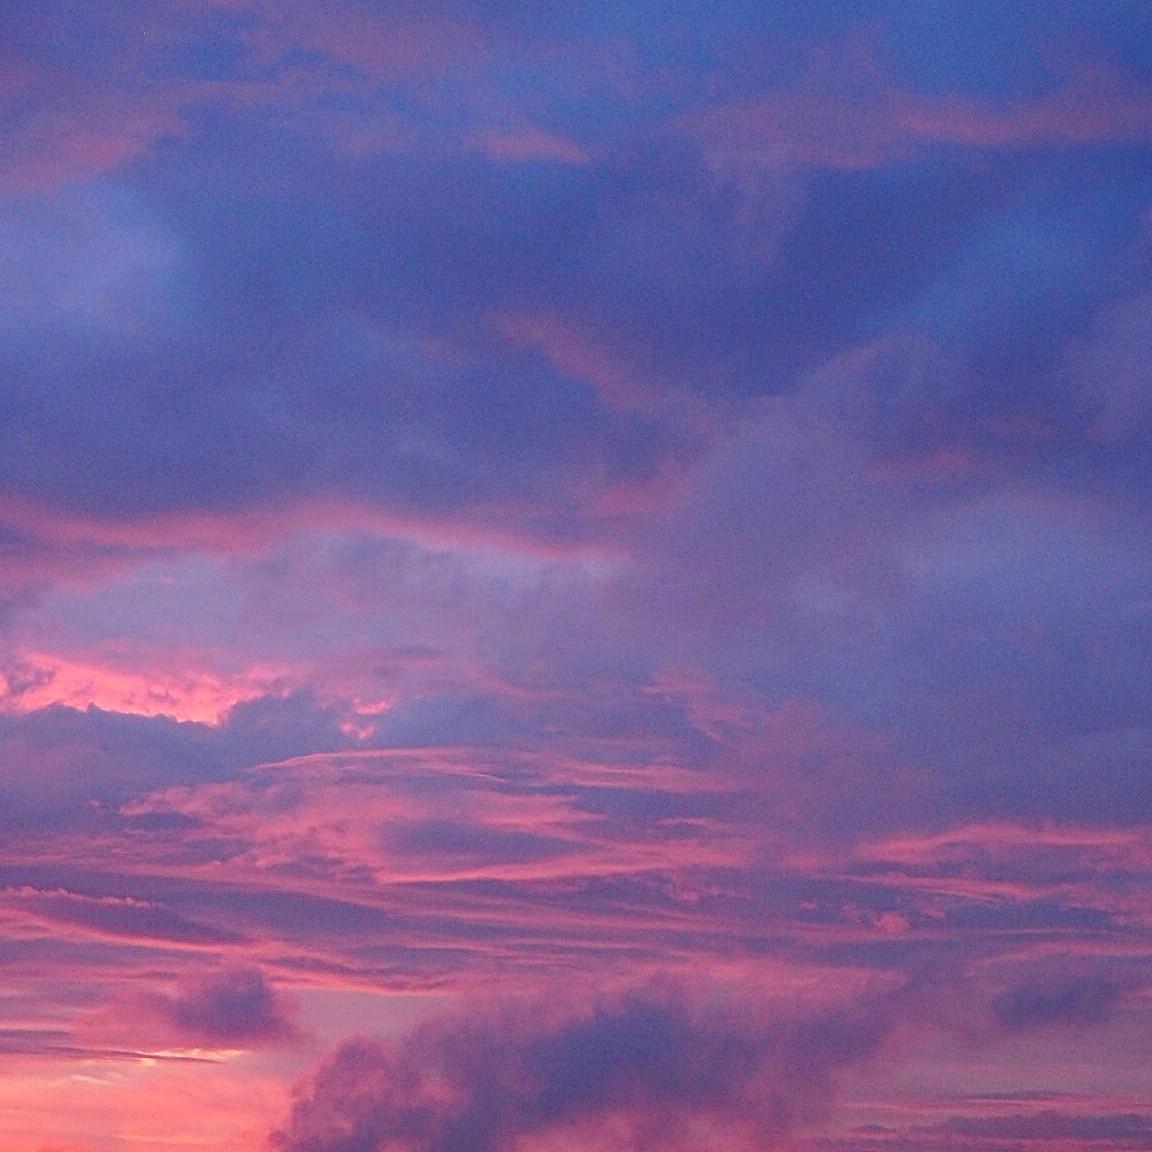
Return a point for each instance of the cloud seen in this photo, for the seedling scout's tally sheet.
(62, 766)
(1032, 1127)
(117, 918)
(276, 727)
(388, 45)
(233, 1008)
(531, 144)
(873, 124)
(58, 763)
(1116, 1130)
(1075, 1002)
(648, 1069)
(75, 140)
(556, 498)
(1108, 369)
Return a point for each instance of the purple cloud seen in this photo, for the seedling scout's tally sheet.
(649, 1066)
(234, 1007)
(1073, 1002)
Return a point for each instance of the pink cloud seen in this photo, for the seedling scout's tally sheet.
(64, 128)
(513, 528)
(330, 809)
(814, 128)
(529, 144)
(112, 918)
(73, 133)
(1093, 109)
(577, 352)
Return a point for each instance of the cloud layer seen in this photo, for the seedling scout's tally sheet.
(574, 578)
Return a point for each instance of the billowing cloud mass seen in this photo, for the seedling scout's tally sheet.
(575, 577)
(653, 1070)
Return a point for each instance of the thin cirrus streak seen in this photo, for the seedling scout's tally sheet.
(574, 578)
(819, 130)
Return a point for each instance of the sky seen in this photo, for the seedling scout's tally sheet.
(575, 578)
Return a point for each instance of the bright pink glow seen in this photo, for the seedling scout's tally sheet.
(88, 1105)
(127, 681)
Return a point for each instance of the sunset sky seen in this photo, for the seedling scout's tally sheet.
(575, 577)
